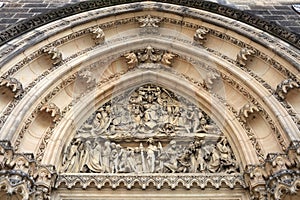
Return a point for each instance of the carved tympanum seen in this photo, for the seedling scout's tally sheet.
(149, 130)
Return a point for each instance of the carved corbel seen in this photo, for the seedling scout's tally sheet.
(284, 87)
(53, 110)
(149, 21)
(210, 78)
(13, 84)
(243, 55)
(200, 35)
(54, 53)
(97, 34)
(246, 110)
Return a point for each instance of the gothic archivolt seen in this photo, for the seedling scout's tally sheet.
(72, 103)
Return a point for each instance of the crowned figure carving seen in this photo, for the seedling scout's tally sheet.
(149, 130)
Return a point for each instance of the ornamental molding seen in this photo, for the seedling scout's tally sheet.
(279, 175)
(81, 7)
(19, 174)
(159, 181)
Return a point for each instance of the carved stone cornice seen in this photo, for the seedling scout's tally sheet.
(279, 175)
(144, 180)
(19, 174)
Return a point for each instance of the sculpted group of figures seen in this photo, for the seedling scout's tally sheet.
(147, 122)
(149, 111)
(198, 156)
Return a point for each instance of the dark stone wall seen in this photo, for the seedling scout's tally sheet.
(279, 12)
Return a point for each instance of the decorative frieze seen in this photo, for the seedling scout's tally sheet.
(159, 181)
(13, 84)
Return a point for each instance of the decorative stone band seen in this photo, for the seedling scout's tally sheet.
(28, 25)
(144, 180)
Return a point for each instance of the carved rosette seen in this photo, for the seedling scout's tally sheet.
(20, 175)
(278, 176)
(149, 55)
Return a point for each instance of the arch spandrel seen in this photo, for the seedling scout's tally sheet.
(243, 79)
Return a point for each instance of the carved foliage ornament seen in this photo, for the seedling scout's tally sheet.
(53, 110)
(243, 55)
(54, 53)
(200, 34)
(286, 85)
(19, 174)
(149, 55)
(149, 130)
(278, 176)
(98, 34)
(12, 83)
(149, 21)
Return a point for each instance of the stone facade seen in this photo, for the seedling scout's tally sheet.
(196, 97)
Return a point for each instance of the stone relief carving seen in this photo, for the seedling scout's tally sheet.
(200, 35)
(54, 53)
(53, 110)
(246, 110)
(149, 130)
(149, 55)
(97, 34)
(21, 175)
(286, 85)
(148, 21)
(277, 176)
(12, 83)
(243, 55)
